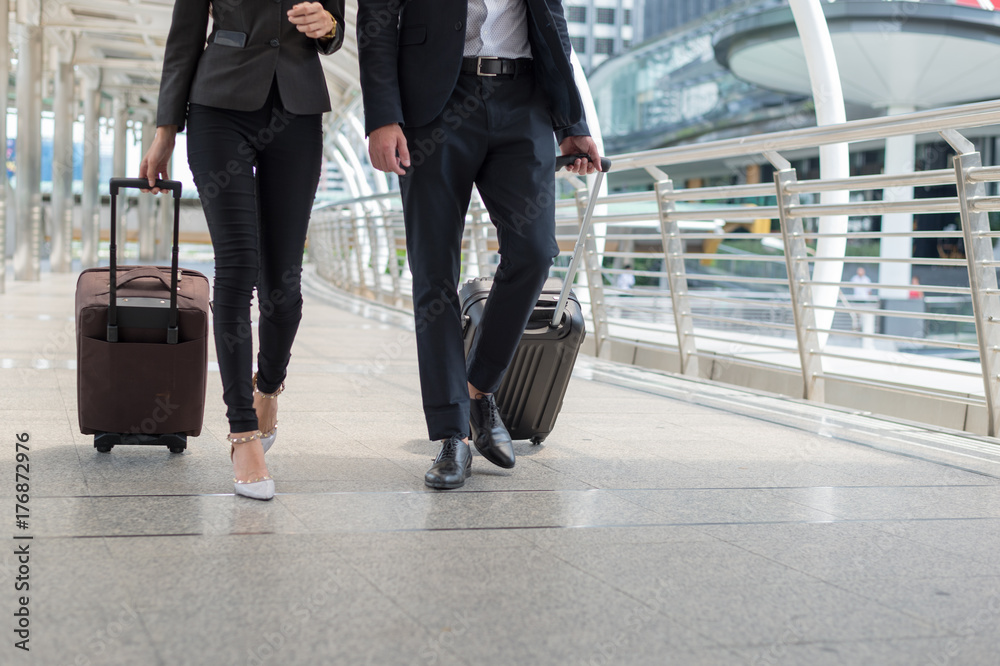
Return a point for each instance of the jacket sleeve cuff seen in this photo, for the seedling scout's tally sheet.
(579, 129)
(372, 124)
(332, 45)
(172, 118)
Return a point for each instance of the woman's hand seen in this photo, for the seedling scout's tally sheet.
(154, 163)
(312, 19)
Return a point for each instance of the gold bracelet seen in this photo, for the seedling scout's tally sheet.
(333, 30)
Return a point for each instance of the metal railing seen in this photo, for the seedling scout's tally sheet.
(718, 282)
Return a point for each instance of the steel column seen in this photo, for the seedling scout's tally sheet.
(4, 86)
(147, 220)
(90, 201)
(982, 279)
(673, 249)
(28, 246)
(118, 160)
(164, 219)
(62, 169)
(478, 232)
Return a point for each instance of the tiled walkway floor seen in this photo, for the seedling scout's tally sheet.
(648, 529)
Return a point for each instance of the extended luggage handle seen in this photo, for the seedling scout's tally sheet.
(142, 183)
(588, 217)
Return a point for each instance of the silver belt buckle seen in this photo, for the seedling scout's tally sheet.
(479, 65)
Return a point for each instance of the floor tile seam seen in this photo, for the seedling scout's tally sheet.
(934, 623)
(157, 654)
(298, 519)
(842, 641)
(658, 610)
(501, 528)
(905, 635)
(949, 553)
(561, 473)
(392, 600)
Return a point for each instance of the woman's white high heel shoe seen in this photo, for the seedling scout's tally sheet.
(259, 488)
(267, 439)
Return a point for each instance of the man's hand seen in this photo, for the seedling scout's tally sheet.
(581, 144)
(312, 19)
(384, 144)
(154, 163)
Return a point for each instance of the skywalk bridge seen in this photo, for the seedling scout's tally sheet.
(749, 468)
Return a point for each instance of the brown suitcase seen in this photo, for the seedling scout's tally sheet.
(142, 346)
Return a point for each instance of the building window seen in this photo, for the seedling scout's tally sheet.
(576, 14)
(605, 16)
(579, 44)
(604, 46)
(626, 44)
(627, 18)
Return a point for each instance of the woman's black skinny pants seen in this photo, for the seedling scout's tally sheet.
(257, 173)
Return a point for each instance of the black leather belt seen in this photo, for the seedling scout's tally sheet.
(490, 66)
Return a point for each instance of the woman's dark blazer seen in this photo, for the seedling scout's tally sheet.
(228, 76)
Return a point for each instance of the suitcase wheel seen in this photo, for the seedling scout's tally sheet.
(105, 441)
(537, 439)
(176, 443)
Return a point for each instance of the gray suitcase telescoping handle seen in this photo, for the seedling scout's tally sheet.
(588, 217)
(141, 183)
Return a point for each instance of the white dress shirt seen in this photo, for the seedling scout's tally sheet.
(497, 28)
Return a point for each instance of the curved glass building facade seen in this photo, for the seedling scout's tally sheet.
(673, 89)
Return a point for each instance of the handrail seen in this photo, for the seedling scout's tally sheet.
(714, 278)
(935, 120)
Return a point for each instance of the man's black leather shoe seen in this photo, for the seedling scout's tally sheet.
(488, 432)
(452, 466)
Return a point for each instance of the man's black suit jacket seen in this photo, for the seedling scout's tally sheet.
(233, 77)
(410, 54)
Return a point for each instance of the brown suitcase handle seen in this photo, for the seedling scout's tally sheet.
(147, 272)
(141, 183)
(144, 272)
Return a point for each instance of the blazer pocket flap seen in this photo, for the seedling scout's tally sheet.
(230, 38)
(413, 34)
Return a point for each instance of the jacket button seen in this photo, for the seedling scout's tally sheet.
(458, 26)
(274, 42)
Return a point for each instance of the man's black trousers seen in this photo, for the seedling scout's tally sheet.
(494, 133)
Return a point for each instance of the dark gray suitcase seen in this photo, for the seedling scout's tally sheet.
(532, 391)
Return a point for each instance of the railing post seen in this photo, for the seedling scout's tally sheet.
(478, 232)
(357, 227)
(595, 279)
(673, 251)
(797, 263)
(982, 281)
(395, 272)
(373, 252)
(344, 225)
